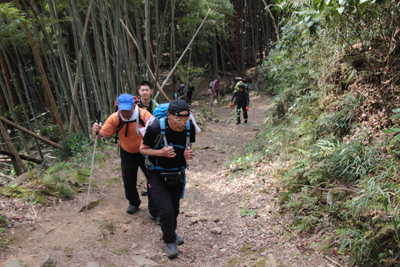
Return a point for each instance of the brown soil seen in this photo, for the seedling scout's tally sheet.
(215, 195)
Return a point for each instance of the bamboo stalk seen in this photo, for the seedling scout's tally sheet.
(11, 109)
(42, 73)
(183, 53)
(11, 146)
(144, 60)
(30, 133)
(74, 90)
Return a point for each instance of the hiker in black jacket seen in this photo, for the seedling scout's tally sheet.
(166, 166)
(242, 102)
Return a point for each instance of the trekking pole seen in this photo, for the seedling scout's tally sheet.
(91, 170)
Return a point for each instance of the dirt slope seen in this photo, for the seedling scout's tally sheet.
(210, 222)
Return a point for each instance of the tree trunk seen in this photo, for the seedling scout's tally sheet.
(253, 39)
(3, 102)
(7, 79)
(147, 30)
(238, 34)
(172, 50)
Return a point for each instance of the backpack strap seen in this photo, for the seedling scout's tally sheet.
(121, 123)
(162, 126)
(163, 138)
(188, 133)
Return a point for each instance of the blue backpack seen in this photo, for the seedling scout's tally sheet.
(160, 113)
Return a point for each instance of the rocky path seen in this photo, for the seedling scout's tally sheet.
(211, 221)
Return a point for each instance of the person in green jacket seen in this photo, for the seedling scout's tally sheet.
(145, 101)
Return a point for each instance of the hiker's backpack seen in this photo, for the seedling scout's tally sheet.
(122, 123)
(191, 87)
(153, 104)
(160, 114)
(211, 84)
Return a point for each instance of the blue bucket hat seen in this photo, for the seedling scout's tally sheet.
(125, 102)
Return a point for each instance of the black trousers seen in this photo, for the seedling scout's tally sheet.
(241, 107)
(166, 199)
(189, 97)
(130, 163)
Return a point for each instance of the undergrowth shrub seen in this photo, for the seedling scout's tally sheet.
(75, 144)
(332, 77)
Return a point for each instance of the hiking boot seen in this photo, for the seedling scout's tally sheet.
(157, 219)
(172, 251)
(144, 191)
(245, 121)
(179, 241)
(238, 122)
(131, 209)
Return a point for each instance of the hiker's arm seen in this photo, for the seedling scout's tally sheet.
(233, 97)
(188, 153)
(168, 152)
(96, 129)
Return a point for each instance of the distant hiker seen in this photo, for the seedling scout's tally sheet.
(167, 165)
(189, 92)
(215, 92)
(126, 123)
(178, 87)
(145, 102)
(235, 82)
(182, 90)
(242, 101)
(179, 84)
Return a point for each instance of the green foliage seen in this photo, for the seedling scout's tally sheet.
(65, 191)
(339, 123)
(244, 163)
(316, 71)
(11, 30)
(75, 144)
(246, 212)
(394, 144)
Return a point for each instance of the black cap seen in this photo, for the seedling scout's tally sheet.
(178, 105)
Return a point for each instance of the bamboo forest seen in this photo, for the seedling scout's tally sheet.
(294, 162)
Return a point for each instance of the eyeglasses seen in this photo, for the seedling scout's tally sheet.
(177, 119)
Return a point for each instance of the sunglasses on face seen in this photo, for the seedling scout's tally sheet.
(180, 120)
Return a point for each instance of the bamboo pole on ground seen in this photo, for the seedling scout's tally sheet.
(30, 133)
(8, 153)
(11, 146)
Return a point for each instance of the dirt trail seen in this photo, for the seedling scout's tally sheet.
(210, 222)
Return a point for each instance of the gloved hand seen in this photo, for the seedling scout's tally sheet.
(247, 108)
(230, 105)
